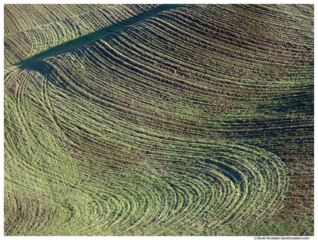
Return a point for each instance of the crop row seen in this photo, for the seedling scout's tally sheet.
(30, 42)
(20, 17)
(175, 185)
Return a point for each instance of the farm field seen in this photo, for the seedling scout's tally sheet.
(158, 120)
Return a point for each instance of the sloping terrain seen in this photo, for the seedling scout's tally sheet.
(159, 120)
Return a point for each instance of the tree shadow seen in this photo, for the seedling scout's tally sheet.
(104, 33)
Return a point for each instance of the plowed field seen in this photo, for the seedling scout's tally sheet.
(162, 120)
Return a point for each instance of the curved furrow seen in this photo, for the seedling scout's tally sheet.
(54, 34)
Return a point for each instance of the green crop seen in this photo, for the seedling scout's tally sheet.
(166, 120)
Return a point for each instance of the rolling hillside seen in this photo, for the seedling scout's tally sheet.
(159, 120)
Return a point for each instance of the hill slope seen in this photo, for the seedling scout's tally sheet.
(160, 120)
